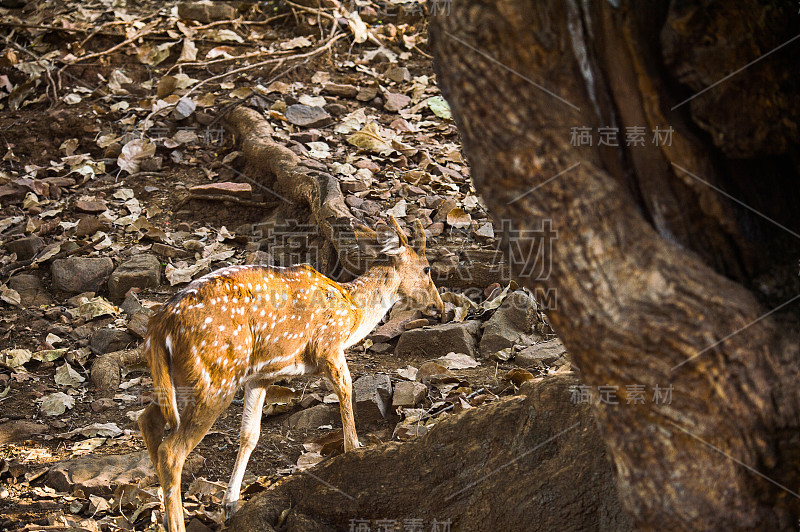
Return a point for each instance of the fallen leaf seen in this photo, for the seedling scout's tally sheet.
(133, 153)
(458, 361)
(66, 376)
(458, 218)
(57, 403)
(370, 139)
(440, 107)
(13, 358)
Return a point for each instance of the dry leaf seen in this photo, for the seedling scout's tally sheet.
(133, 153)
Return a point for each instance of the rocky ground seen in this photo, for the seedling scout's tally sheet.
(119, 184)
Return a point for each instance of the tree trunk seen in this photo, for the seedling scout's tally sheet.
(660, 280)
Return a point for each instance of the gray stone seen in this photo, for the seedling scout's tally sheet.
(25, 248)
(142, 271)
(438, 340)
(408, 393)
(105, 340)
(315, 417)
(100, 475)
(541, 354)
(395, 326)
(81, 274)
(30, 289)
(131, 305)
(19, 430)
(341, 90)
(398, 74)
(307, 115)
(512, 323)
(138, 323)
(373, 395)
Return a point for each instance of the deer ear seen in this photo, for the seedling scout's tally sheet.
(397, 229)
(393, 246)
(367, 240)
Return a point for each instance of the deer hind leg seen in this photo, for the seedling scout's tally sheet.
(339, 375)
(254, 393)
(196, 420)
(151, 423)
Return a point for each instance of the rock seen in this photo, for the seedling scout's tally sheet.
(354, 201)
(141, 271)
(105, 340)
(366, 94)
(138, 323)
(395, 102)
(407, 431)
(315, 417)
(381, 348)
(541, 354)
(25, 248)
(104, 403)
(307, 115)
(561, 477)
(373, 397)
(341, 90)
(435, 229)
(395, 326)
(410, 394)
(444, 209)
(172, 252)
(20, 430)
(371, 208)
(416, 324)
(101, 475)
(106, 369)
(397, 74)
(196, 525)
(131, 305)
(435, 373)
(237, 190)
(30, 289)
(368, 164)
(312, 135)
(512, 323)
(438, 340)
(89, 225)
(205, 11)
(336, 109)
(350, 187)
(90, 207)
(81, 274)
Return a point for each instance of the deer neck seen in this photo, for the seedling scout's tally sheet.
(374, 293)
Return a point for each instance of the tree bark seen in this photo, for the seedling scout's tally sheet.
(478, 470)
(654, 270)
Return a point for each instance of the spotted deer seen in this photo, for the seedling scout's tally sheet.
(251, 325)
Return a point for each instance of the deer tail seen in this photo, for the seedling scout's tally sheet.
(159, 358)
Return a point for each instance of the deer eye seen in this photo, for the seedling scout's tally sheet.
(426, 270)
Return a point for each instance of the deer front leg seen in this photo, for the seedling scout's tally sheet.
(254, 393)
(337, 371)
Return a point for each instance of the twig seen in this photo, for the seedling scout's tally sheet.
(40, 27)
(224, 59)
(139, 34)
(50, 81)
(115, 23)
(318, 12)
(326, 46)
(222, 197)
(239, 21)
